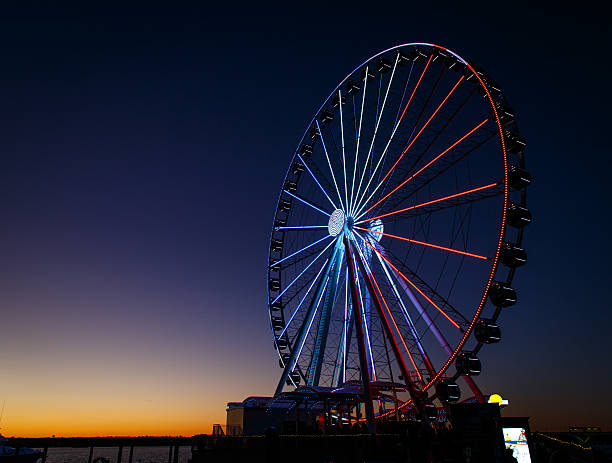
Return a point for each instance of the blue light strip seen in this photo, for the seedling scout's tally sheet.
(297, 358)
(303, 299)
(343, 154)
(307, 203)
(365, 86)
(303, 227)
(301, 273)
(317, 182)
(330, 166)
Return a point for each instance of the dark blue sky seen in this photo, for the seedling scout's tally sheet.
(142, 154)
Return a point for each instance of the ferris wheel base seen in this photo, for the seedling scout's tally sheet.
(260, 429)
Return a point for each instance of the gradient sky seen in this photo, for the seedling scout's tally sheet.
(142, 153)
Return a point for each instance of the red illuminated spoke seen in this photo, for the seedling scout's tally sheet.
(433, 201)
(443, 248)
(411, 143)
(409, 281)
(426, 165)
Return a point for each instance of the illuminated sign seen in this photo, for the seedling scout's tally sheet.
(516, 440)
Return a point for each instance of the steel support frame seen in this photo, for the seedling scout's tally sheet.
(358, 311)
(416, 395)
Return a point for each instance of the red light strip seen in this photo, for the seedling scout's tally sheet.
(414, 286)
(427, 165)
(422, 128)
(425, 244)
(433, 201)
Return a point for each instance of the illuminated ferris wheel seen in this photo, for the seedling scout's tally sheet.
(398, 230)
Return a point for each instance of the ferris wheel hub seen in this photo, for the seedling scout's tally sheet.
(336, 222)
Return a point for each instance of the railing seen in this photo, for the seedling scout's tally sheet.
(121, 443)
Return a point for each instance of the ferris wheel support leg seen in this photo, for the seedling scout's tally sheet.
(430, 323)
(415, 394)
(365, 376)
(290, 365)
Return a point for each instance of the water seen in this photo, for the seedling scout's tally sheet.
(141, 454)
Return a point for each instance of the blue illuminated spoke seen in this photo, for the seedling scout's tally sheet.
(303, 299)
(365, 86)
(343, 154)
(376, 129)
(301, 273)
(299, 250)
(307, 203)
(303, 227)
(314, 177)
(297, 357)
(329, 164)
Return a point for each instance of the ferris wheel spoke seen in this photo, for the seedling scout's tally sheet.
(427, 292)
(300, 228)
(382, 156)
(468, 196)
(343, 153)
(301, 273)
(427, 165)
(314, 177)
(297, 309)
(365, 166)
(365, 86)
(329, 164)
(375, 291)
(416, 137)
(299, 198)
(276, 265)
(422, 243)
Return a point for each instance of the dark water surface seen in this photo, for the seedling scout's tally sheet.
(141, 454)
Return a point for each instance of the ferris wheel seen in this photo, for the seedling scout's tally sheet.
(398, 230)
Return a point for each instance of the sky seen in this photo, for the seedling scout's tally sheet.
(143, 150)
